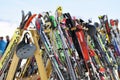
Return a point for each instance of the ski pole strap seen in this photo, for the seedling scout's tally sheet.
(29, 21)
(26, 37)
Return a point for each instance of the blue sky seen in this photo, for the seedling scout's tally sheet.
(10, 10)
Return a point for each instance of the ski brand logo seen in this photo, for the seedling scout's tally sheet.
(80, 37)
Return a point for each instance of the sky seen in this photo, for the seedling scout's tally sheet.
(10, 10)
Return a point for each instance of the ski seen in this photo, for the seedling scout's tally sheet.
(46, 42)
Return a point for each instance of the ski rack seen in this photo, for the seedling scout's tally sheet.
(6, 58)
(32, 77)
(44, 73)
